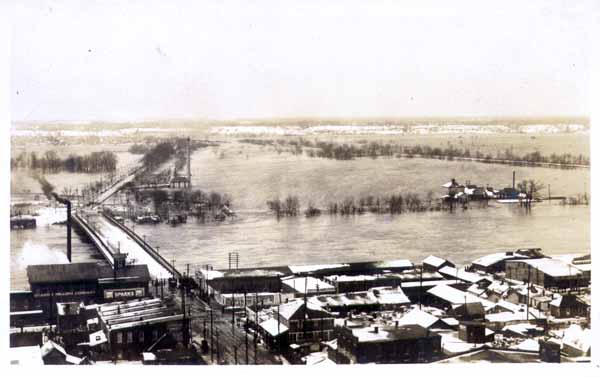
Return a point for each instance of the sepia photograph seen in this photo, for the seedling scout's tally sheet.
(298, 183)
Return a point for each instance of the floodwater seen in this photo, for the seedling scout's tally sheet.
(251, 175)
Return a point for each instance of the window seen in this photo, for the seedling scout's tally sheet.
(141, 337)
(154, 334)
(119, 337)
(129, 337)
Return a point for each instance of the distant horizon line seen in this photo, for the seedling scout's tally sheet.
(579, 119)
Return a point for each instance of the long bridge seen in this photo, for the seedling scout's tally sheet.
(111, 237)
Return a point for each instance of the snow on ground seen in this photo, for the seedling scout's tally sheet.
(101, 133)
(390, 129)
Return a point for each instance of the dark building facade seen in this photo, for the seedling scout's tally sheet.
(386, 345)
(84, 282)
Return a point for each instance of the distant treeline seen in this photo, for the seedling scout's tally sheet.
(375, 149)
(392, 204)
(49, 162)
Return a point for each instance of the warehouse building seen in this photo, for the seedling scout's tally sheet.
(547, 273)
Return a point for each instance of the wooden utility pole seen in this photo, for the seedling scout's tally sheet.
(256, 325)
(246, 330)
(528, 287)
(420, 285)
(211, 335)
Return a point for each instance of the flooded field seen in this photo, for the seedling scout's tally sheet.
(252, 174)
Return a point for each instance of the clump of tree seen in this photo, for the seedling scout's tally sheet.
(139, 148)
(290, 206)
(312, 210)
(50, 162)
(166, 150)
(159, 154)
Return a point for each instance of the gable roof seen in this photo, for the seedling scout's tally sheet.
(470, 308)
(457, 297)
(454, 273)
(553, 267)
(418, 317)
(432, 260)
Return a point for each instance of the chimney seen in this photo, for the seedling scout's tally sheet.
(345, 323)
(513, 179)
(376, 329)
(396, 323)
(68, 204)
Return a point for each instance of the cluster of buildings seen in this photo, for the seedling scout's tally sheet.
(85, 313)
(399, 312)
(523, 303)
(469, 192)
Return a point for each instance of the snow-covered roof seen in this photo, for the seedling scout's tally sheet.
(490, 259)
(397, 263)
(273, 327)
(527, 345)
(457, 297)
(28, 356)
(553, 267)
(287, 310)
(450, 321)
(520, 328)
(432, 260)
(418, 317)
(498, 287)
(390, 296)
(318, 358)
(97, 338)
(461, 274)
(315, 267)
(474, 289)
(518, 308)
(556, 302)
(309, 283)
(577, 337)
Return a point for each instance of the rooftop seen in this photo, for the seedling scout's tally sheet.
(79, 272)
(122, 315)
(418, 317)
(491, 259)
(273, 327)
(454, 273)
(553, 267)
(457, 297)
(390, 333)
(308, 283)
(434, 261)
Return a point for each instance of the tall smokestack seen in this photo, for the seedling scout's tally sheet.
(189, 163)
(68, 204)
(513, 179)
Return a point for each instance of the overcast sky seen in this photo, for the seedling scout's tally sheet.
(142, 60)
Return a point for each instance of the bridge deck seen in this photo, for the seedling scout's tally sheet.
(109, 238)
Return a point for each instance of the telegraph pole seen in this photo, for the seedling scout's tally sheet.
(246, 330)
